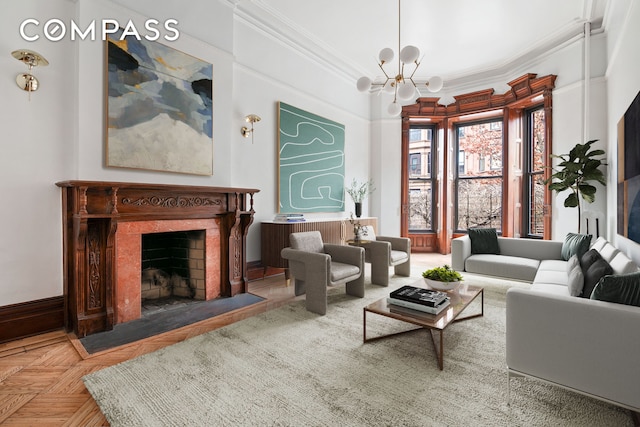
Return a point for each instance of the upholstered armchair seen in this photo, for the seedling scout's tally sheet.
(384, 252)
(315, 265)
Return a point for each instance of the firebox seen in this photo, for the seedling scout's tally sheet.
(173, 267)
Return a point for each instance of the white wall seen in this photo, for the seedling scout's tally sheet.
(59, 135)
(623, 85)
(37, 145)
(268, 71)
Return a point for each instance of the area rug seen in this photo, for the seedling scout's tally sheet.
(290, 367)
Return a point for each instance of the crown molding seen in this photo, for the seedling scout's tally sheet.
(267, 20)
(262, 17)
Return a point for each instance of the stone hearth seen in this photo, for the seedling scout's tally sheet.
(102, 227)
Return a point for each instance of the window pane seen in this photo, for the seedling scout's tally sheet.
(479, 183)
(415, 135)
(538, 139)
(421, 179)
(536, 206)
(414, 164)
(534, 190)
(479, 203)
(420, 207)
(476, 143)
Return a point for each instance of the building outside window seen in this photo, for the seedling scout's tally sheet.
(421, 179)
(414, 164)
(478, 195)
(535, 143)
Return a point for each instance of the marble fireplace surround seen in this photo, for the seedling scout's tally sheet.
(102, 223)
(128, 291)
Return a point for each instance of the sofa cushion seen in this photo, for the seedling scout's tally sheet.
(575, 279)
(594, 267)
(608, 251)
(503, 266)
(551, 277)
(484, 241)
(619, 288)
(575, 244)
(550, 288)
(622, 265)
(554, 265)
(530, 248)
(599, 243)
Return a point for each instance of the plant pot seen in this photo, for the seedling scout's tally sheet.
(358, 209)
(441, 286)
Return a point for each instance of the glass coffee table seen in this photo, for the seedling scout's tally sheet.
(460, 299)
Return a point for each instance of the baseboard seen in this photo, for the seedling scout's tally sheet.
(256, 271)
(36, 317)
(31, 318)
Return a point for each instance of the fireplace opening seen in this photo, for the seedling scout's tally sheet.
(173, 269)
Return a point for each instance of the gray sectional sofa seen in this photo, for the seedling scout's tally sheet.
(588, 346)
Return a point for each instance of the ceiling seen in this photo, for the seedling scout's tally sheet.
(457, 38)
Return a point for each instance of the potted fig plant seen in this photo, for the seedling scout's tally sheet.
(442, 278)
(575, 172)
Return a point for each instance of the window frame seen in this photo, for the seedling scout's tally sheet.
(428, 175)
(528, 173)
(460, 133)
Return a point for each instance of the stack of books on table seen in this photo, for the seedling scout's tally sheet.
(291, 217)
(426, 300)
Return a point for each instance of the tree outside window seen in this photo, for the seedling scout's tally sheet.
(479, 190)
(421, 178)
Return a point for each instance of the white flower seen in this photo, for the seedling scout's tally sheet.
(359, 191)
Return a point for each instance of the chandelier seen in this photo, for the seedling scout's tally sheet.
(401, 85)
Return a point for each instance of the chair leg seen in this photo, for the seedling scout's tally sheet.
(300, 286)
(403, 269)
(380, 273)
(316, 300)
(356, 287)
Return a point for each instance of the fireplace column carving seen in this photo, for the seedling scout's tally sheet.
(91, 212)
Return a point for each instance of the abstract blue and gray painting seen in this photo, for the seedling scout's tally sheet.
(160, 108)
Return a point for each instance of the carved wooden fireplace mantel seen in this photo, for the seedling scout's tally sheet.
(91, 213)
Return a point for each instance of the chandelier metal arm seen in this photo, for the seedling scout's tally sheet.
(398, 83)
(384, 72)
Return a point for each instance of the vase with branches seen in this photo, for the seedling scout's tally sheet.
(575, 172)
(359, 230)
(358, 191)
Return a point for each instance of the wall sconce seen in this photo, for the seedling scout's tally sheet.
(28, 81)
(245, 131)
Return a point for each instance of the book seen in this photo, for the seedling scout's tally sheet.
(289, 218)
(422, 296)
(419, 307)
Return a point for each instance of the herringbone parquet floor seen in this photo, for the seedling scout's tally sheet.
(41, 377)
